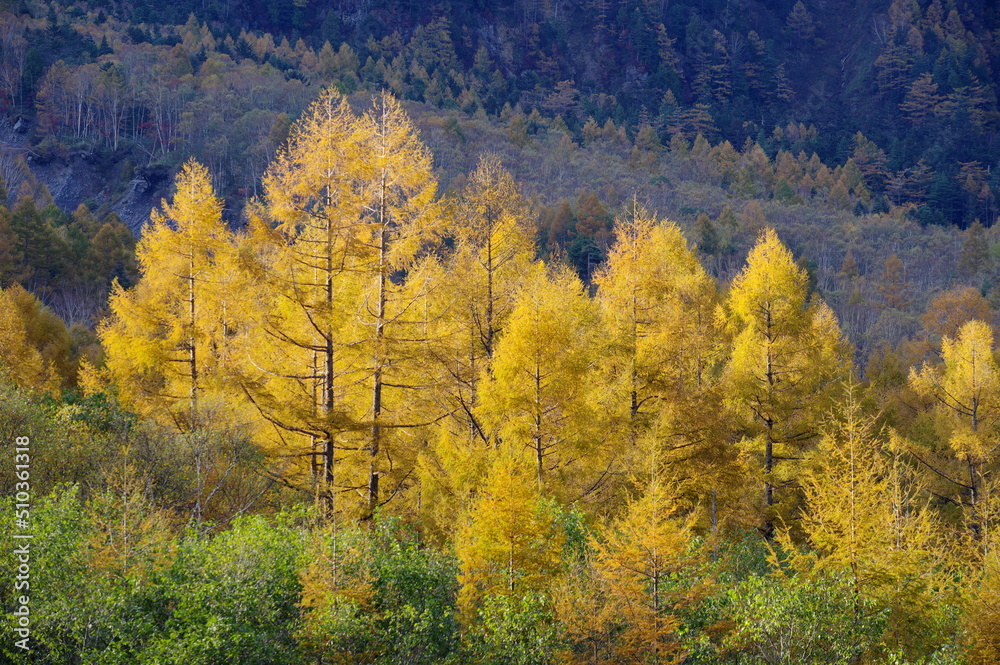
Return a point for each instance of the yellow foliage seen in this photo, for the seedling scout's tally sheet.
(335, 338)
(494, 236)
(967, 391)
(129, 534)
(537, 400)
(509, 544)
(649, 572)
(475, 298)
(336, 585)
(662, 352)
(20, 360)
(871, 524)
(787, 357)
(982, 615)
(451, 471)
(167, 338)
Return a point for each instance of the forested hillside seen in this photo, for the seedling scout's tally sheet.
(915, 79)
(528, 333)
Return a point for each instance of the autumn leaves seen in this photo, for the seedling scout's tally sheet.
(390, 346)
(396, 351)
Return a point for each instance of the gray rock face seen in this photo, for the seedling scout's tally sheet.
(75, 178)
(135, 206)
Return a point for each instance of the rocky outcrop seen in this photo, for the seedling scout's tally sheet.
(74, 177)
(144, 192)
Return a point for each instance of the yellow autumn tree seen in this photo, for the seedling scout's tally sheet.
(580, 602)
(166, 338)
(788, 357)
(509, 544)
(302, 255)
(494, 250)
(399, 220)
(538, 402)
(492, 256)
(967, 392)
(650, 572)
(35, 347)
(495, 238)
(663, 353)
(344, 303)
(869, 522)
(337, 587)
(20, 361)
(982, 613)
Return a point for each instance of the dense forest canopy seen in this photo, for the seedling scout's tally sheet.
(532, 332)
(906, 89)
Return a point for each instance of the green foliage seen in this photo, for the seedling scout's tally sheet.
(513, 631)
(803, 621)
(81, 611)
(60, 558)
(233, 597)
(414, 601)
(378, 596)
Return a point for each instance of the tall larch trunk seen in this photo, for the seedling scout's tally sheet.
(768, 529)
(376, 430)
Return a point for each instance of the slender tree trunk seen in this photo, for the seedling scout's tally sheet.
(376, 431)
(634, 378)
(769, 460)
(316, 442)
(192, 349)
(973, 484)
(328, 372)
(538, 423)
(656, 609)
(715, 528)
(489, 294)
(510, 566)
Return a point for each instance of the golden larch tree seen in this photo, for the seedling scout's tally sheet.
(493, 254)
(663, 353)
(650, 571)
(788, 355)
(869, 522)
(302, 258)
(166, 338)
(510, 543)
(399, 220)
(967, 391)
(338, 248)
(538, 400)
(20, 361)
